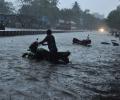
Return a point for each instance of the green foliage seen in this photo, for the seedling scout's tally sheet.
(113, 19)
(45, 13)
(66, 14)
(90, 22)
(41, 9)
(76, 11)
(6, 7)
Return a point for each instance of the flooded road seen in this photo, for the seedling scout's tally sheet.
(92, 74)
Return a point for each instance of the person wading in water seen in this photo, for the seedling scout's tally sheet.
(50, 40)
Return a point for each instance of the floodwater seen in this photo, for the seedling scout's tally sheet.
(92, 74)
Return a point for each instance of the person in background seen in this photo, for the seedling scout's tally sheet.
(88, 38)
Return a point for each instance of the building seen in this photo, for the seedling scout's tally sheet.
(66, 25)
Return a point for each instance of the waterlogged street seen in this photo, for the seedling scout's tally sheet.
(92, 74)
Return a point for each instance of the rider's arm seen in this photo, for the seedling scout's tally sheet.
(44, 40)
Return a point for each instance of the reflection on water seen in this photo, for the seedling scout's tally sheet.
(93, 73)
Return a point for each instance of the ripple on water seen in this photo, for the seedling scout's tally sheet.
(93, 73)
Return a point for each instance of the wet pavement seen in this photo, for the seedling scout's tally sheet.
(92, 74)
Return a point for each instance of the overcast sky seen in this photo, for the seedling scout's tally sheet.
(100, 6)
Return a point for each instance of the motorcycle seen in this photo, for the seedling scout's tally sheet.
(42, 54)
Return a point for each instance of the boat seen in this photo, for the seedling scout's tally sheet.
(41, 54)
(106, 43)
(86, 42)
(115, 44)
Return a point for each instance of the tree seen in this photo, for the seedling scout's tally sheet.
(113, 19)
(76, 11)
(54, 2)
(47, 14)
(118, 8)
(45, 11)
(6, 7)
(66, 14)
